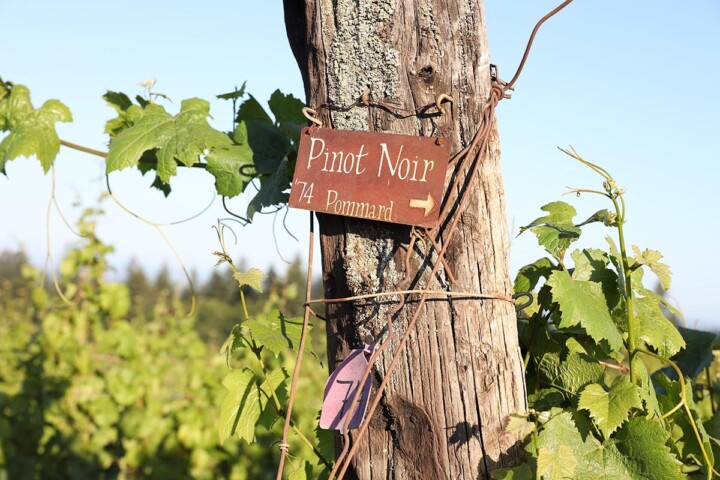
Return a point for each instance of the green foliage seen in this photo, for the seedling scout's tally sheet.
(252, 278)
(261, 149)
(182, 138)
(256, 394)
(555, 231)
(258, 149)
(610, 408)
(109, 382)
(592, 339)
(86, 392)
(583, 303)
(31, 131)
(99, 387)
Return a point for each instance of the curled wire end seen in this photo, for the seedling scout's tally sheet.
(365, 97)
(310, 115)
(527, 303)
(442, 98)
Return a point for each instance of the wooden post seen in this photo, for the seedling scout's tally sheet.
(444, 412)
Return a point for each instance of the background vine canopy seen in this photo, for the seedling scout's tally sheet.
(592, 69)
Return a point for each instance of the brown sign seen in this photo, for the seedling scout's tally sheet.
(377, 176)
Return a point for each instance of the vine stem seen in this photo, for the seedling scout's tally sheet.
(100, 153)
(81, 148)
(710, 389)
(301, 348)
(627, 274)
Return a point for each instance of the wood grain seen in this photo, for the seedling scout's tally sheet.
(445, 409)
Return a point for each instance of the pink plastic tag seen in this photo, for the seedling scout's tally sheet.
(340, 391)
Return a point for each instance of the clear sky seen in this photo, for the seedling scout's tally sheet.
(632, 85)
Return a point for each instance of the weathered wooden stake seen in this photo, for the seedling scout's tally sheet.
(445, 409)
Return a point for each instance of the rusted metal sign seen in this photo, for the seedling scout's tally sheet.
(376, 176)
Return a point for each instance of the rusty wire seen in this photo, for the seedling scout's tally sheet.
(450, 212)
(284, 446)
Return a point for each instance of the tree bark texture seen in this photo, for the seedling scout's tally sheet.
(444, 412)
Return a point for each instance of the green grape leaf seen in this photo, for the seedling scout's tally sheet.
(240, 134)
(519, 425)
(642, 444)
(237, 93)
(305, 472)
(286, 108)
(521, 472)
(230, 166)
(274, 382)
(325, 441)
(603, 216)
(583, 303)
(558, 213)
(251, 109)
(276, 333)
(240, 409)
(121, 103)
(253, 278)
(292, 330)
(592, 265)
(651, 259)
(572, 373)
(268, 336)
(32, 131)
(158, 184)
(528, 276)
(555, 231)
(593, 461)
(269, 145)
(697, 354)
(616, 260)
(535, 335)
(288, 114)
(273, 190)
(712, 426)
(653, 328)
(557, 464)
(638, 452)
(5, 88)
(687, 442)
(646, 388)
(182, 138)
(546, 399)
(610, 409)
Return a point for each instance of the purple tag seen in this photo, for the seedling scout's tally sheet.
(340, 391)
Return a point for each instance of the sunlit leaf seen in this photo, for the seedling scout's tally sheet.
(253, 278)
(32, 131)
(651, 259)
(610, 408)
(583, 303)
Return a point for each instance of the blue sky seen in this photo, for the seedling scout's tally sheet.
(631, 84)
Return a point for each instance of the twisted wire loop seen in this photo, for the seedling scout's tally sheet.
(466, 163)
(365, 100)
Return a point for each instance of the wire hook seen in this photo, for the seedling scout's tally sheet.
(310, 115)
(442, 98)
(523, 306)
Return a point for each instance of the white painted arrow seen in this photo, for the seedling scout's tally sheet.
(427, 204)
